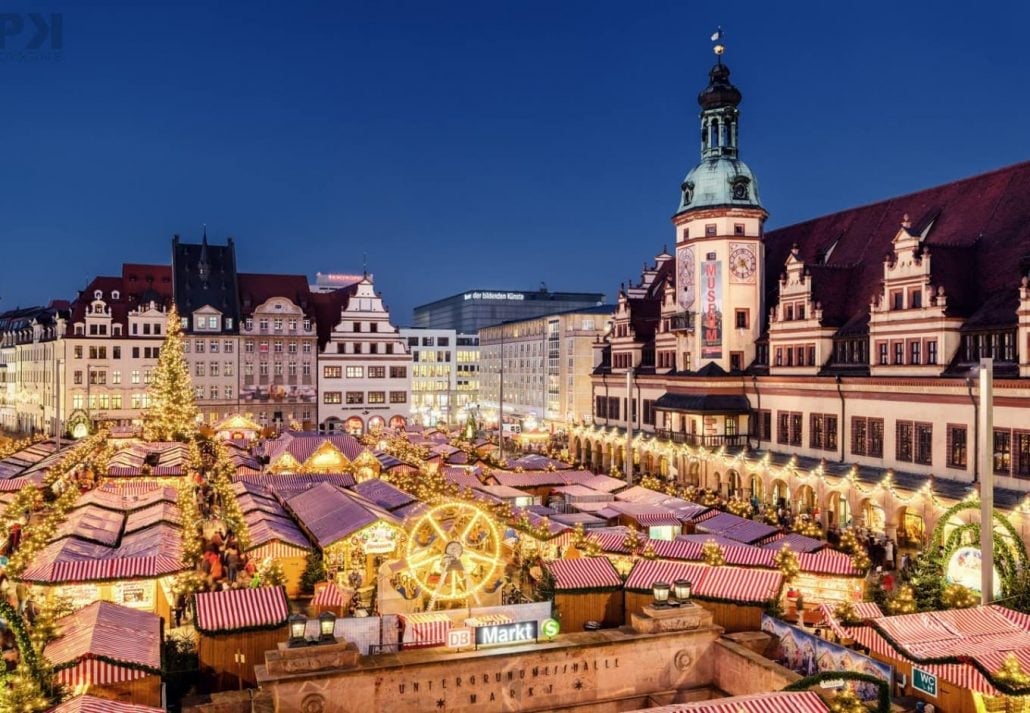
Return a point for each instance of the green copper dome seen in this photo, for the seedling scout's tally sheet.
(721, 179)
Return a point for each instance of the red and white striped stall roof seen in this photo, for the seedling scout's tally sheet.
(584, 573)
(100, 570)
(332, 596)
(236, 609)
(963, 675)
(426, 629)
(828, 562)
(777, 702)
(610, 541)
(678, 550)
(94, 672)
(646, 572)
(1016, 617)
(908, 629)
(747, 556)
(92, 704)
(740, 584)
(863, 610)
(107, 631)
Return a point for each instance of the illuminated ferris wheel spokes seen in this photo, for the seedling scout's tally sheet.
(454, 552)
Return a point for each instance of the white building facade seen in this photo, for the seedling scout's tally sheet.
(363, 368)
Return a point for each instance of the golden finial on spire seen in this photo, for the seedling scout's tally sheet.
(719, 47)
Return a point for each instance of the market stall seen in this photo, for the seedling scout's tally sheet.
(330, 597)
(110, 650)
(425, 629)
(95, 704)
(239, 621)
(586, 589)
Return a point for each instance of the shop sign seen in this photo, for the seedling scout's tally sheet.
(518, 633)
(550, 628)
(80, 595)
(138, 595)
(964, 567)
(832, 683)
(924, 682)
(459, 638)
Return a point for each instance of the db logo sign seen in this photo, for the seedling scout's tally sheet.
(459, 638)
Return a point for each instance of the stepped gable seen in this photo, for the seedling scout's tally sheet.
(976, 229)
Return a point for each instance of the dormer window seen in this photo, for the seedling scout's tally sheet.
(98, 295)
(688, 192)
(115, 294)
(740, 188)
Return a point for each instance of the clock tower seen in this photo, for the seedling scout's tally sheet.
(719, 249)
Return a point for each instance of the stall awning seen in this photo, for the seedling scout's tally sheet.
(703, 403)
(646, 572)
(237, 609)
(93, 640)
(584, 573)
(740, 584)
(828, 562)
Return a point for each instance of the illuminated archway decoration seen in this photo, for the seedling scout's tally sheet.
(326, 459)
(454, 552)
(366, 466)
(285, 463)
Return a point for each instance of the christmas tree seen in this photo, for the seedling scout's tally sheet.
(845, 701)
(787, 562)
(1011, 673)
(903, 601)
(926, 575)
(172, 413)
(22, 694)
(632, 541)
(712, 554)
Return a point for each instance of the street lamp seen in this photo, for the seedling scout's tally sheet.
(681, 588)
(326, 627)
(660, 592)
(297, 625)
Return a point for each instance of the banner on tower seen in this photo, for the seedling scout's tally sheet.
(711, 309)
(686, 285)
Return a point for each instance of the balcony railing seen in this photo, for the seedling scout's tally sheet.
(701, 439)
(682, 322)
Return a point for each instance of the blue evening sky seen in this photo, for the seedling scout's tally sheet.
(474, 143)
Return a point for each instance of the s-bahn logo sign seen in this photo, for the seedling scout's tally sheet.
(518, 633)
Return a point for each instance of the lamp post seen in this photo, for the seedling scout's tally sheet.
(500, 404)
(985, 433)
(682, 589)
(629, 426)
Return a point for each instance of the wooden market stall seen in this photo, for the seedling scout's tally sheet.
(109, 650)
(352, 532)
(239, 621)
(736, 596)
(962, 650)
(330, 597)
(273, 534)
(237, 428)
(587, 589)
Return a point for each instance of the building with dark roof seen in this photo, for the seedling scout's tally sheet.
(827, 363)
(470, 311)
(30, 342)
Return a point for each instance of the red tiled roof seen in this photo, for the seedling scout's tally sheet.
(979, 235)
(256, 289)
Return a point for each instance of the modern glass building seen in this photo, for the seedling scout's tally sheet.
(468, 312)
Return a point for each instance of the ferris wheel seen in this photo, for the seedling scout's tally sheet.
(454, 552)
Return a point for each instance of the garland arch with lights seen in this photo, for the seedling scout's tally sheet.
(1011, 552)
(883, 704)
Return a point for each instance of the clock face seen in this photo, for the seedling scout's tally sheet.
(743, 263)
